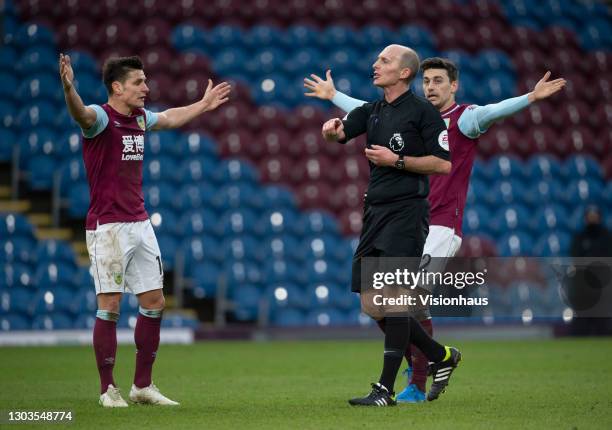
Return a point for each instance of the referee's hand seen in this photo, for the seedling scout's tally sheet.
(333, 130)
(381, 155)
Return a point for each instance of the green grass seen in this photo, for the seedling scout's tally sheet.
(560, 384)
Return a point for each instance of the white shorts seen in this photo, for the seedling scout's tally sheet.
(441, 244)
(124, 257)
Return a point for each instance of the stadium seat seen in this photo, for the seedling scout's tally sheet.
(54, 251)
(54, 321)
(246, 299)
(515, 244)
(325, 317)
(14, 322)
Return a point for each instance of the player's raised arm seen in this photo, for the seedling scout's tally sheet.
(477, 119)
(83, 115)
(214, 96)
(326, 90)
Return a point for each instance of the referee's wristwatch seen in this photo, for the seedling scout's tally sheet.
(399, 164)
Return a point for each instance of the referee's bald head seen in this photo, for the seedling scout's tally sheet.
(408, 59)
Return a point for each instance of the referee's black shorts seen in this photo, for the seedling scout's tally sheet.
(397, 229)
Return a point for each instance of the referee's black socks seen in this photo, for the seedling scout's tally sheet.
(397, 338)
(399, 333)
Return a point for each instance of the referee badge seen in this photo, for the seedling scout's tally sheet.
(396, 143)
(141, 122)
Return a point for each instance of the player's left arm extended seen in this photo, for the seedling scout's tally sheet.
(476, 120)
(177, 117)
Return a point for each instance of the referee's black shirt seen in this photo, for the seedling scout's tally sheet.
(410, 125)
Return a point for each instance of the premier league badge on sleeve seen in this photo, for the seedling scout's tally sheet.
(141, 122)
(396, 143)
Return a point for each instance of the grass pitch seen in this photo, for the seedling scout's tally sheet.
(560, 384)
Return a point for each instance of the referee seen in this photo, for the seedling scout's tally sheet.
(406, 141)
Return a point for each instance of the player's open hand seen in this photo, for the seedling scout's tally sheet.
(319, 88)
(545, 88)
(215, 96)
(333, 130)
(381, 155)
(66, 72)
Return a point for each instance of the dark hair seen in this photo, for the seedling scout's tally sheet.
(441, 63)
(117, 69)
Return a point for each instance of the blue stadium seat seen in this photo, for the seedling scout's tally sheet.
(475, 219)
(192, 145)
(289, 317)
(281, 247)
(515, 244)
(583, 191)
(552, 245)
(129, 304)
(163, 220)
(162, 143)
(543, 167)
(302, 60)
(78, 200)
(37, 58)
(264, 35)
(84, 278)
(16, 275)
(265, 59)
(461, 58)
(317, 271)
(196, 170)
(358, 318)
(505, 192)
(230, 61)
(84, 302)
(236, 171)
(552, 217)
(235, 196)
(41, 169)
(582, 166)
(68, 145)
(277, 222)
(55, 251)
(196, 250)
(188, 36)
(413, 35)
(7, 140)
(322, 295)
(277, 197)
(56, 299)
(205, 278)
(509, 219)
(317, 247)
(302, 35)
(168, 244)
(237, 222)
(14, 322)
(325, 317)
(239, 273)
(36, 115)
(8, 57)
(17, 299)
(280, 271)
(127, 320)
(241, 248)
(84, 322)
(17, 249)
(197, 223)
(55, 321)
(12, 225)
(477, 190)
(225, 35)
(49, 275)
(317, 223)
(162, 168)
(159, 195)
(545, 191)
(83, 62)
(285, 295)
(504, 167)
(39, 87)
(491, 61)
(333, 36)
(194, 197)
(71, 171)
(34, 34)
(246, 299)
